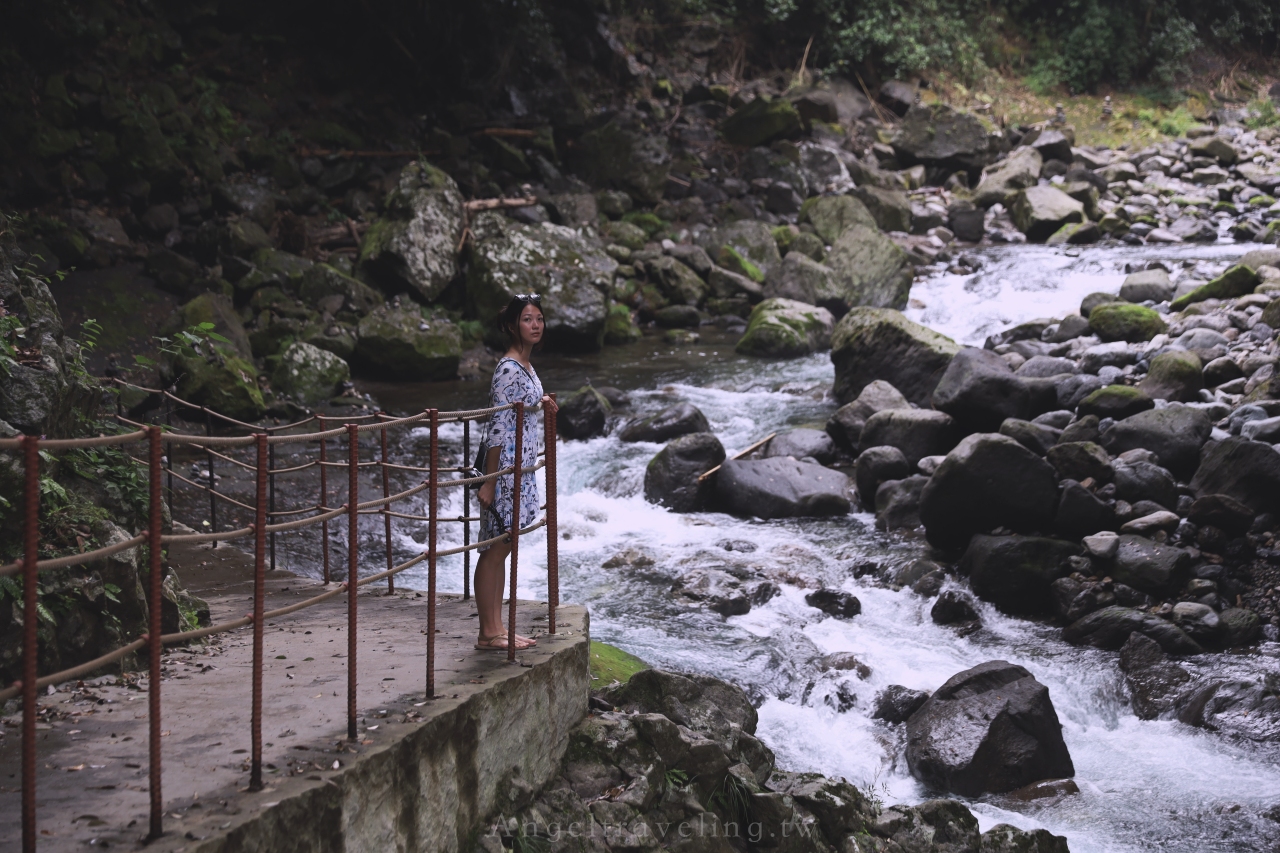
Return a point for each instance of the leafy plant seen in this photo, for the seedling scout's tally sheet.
(189, 343)
(676, 779)
(733, 798)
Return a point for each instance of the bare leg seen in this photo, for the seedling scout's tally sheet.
(491, 572)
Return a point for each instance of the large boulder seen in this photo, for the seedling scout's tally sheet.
(308, 373)
(750, 240)
(572, 273)
(1015, 572)
(623, 155)
(401, 342)
(784, 328)
(846, 425)
(916, 432)
(1177, 375)
(671, 478)
(1040, 211)
(980, 390)
(987, 481)
(880, 343)
(1001, 181)
(216, 308)
(415, 244)
(1151, 566)
(803, 279)
(891, 209)
(1175, 434)
(878, 465)
(321, 281)
(673, 421)
(1123, 321)
(803, 442)
(781, 488)
(220, 379)
(1235, 281)
(989, 729)
(897, 503)
(1248, 471)
(761, 121)
(582, 414)
(940, 135)
(869, 269)
(1111, 626)
(832, 215)
(678, 283)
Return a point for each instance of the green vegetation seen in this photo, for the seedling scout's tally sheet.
(610, 663)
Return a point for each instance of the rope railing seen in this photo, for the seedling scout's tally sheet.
(264, 441)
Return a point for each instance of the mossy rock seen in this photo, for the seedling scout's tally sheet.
(401, 343)
(831, 216)
(880, 343)
(223, 381)
(761, 121)
(610, 664)
(1236, 281)
(810, 245)
(322, 280)
(650, 223)
(415, 244)
(1176, 376)
(627, 234)
(217, 309)
(1122, 321)
(785, 328)
(619, 328)
(1271, 314)
(1115, 401)
(732, 260)
(625, 158)
(783, 235)
(310, 374)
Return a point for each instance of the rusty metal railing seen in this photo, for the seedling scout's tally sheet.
(262, 440)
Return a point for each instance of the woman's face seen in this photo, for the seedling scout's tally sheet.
(530, 325)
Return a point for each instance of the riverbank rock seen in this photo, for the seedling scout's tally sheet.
(622, 155)
(891, 209)
(1122, 321)
(1001, 182)
(1015, 572)
(760, 121)
(220, 379)
(781, 488)
(801, 443)
(1175, 434)
(1110, 627)
(941, 136)
(981, 391)
(671, 478)
(415, 244)
(916, 432)
(989, 729)
(1248, 471)
(878, 465)
(869, 269)
(309, 374)
(834, 602)
(572, 274)
(987, 481)
(1146, 285)
(582, 414)
(879, 343)
(897, 503)
(1040, 211)
(402, 342)
(673, 421)
(1176, 376)
(846, 425)
(1151, 566)
(785, 328)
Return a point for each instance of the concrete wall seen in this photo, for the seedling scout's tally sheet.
(431, 789)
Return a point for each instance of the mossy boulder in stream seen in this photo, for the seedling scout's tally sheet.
(869, 269)
(1236, 281)
(415, 245)
(309, 373)
(785, 328)
(1122, 321)
(832, 215)
(401, 343)
(220, 379)
(571, 271)
(879, 343)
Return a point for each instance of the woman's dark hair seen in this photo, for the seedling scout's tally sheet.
(508, 318)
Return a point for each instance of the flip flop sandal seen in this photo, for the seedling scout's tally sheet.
(488, 646)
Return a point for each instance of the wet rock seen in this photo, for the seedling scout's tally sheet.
(582, 414)
(1223, 512)
(760, 121)
(1138, 480)
(980, 391)
(1001, 182)
(891, 209)
(1081, 460)
(1174, 434)
(309, 374)
(1200, 622)
(941, 136)
(724, 593)
(1243, 627)
(1121, 321)
(1115, 402)
(801, 443)
(879, 343)
(673, 421)
(987, 481)
(878, 465)
(869, 269)
(1150, 566)
(321, 280)
(571, 272)
(622, 155)
(781, 488)
(1081, 512)
(897, 503)
(1015, 572)
(405, 343)
(1151, 285)
(1004, 838)
(953, 607)
(916, 432)
(1247, 709)
(784, 328)
(846, 425)
(1176, 376)
(1040, 211)
(1037, 438)
(834, 602)
(1110, 627)
(1153, 680)
(1236, 281)
(415, 244)
(991, 728)
(896, 704)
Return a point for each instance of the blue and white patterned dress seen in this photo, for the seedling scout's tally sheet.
(511, 383)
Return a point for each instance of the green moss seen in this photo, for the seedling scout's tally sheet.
(1262, 201)
(732, 260)
(783, 236)
(1122, 321)
(627, 234)
(610, 664)
(618, 326)
(760, 121)
(1236, 281)
(650, 223)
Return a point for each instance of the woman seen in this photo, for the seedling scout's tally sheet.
(514, 380)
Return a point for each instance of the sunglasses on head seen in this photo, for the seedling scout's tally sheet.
(529, 298)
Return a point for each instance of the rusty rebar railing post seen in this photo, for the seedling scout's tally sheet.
(553, 544)
(386, 512)
(259, 593)
(213, 498)
(168, 457)
(433, 503)
(466, 513)
(324, 497)
(155, 627)
(30, 662)
(516, 477)
(271, 499)
(353, 569)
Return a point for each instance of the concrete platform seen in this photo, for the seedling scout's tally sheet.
(421, 777)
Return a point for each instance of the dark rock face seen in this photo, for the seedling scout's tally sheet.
(916, 432)
(988, 481)
(1081, 512)
(1249, 709)
(1110, 627)
(879, 343)
(896, 703)
(1079, 460)
(680, 419)
(1004, 838)
(898, 503)
(1138, 481)
(671, 478)
(1150, 566)
(582, 414)
(846, 425)
(952, 607)
(801, 443)
(1175, 434)
(878, 465)
(1153, 681)
(1037, 438)
(1015, 572)
(980, 391)
(844, 605)
(1248, 471)
(781, 488)
(988, 729)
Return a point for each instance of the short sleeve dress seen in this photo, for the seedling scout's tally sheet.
(512, 383)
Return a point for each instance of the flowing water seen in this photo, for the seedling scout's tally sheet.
(1144, 785)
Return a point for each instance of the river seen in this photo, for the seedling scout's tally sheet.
(1143, 785)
